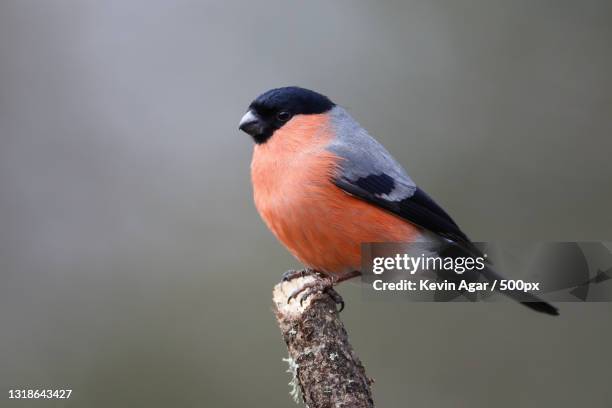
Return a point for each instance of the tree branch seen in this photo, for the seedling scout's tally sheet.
(325, 366)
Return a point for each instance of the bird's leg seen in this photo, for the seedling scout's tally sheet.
(293, 274)
(346, 276)
(324, 285)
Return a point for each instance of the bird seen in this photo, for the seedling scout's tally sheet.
(323, 185)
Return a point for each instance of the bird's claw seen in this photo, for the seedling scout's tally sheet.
(335, 296)
(325, 285)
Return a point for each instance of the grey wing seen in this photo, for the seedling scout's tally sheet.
(369, 172)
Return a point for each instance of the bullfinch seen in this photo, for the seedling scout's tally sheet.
(324, 186)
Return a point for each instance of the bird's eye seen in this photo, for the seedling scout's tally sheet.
(283, 116)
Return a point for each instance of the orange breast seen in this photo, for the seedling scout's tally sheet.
(320, 225)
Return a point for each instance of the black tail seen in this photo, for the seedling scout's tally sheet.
(528, 299)
(542, 307)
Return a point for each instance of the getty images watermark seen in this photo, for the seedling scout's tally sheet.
(434, 271)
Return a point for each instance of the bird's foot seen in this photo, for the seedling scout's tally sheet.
(335, 296)
(323, 285)
(293, 274)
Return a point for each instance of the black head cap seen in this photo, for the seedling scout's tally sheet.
(272, 109)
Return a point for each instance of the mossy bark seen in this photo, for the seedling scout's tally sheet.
(329, 373)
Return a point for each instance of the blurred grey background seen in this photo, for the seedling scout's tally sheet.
(135, 269)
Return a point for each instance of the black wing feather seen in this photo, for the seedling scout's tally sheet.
(418, 209)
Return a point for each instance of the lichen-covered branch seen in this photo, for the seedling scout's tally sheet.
(326, 368)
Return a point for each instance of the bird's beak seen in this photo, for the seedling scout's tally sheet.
(251, 124)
